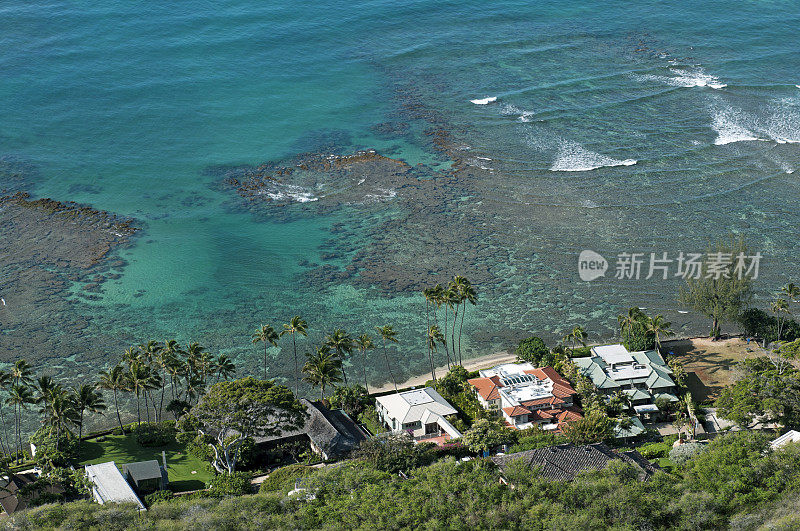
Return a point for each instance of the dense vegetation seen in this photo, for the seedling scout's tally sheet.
(735, 483)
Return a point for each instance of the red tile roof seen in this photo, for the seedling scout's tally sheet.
(487, 387)
(516, 411)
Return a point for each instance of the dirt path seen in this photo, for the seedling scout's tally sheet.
(473, 364)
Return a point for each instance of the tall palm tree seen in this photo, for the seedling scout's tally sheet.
(19, 396)
(45, 386)
(364, 343)
(5, 382)
(169, 351)
(434, 339)
(659, 327)
(294, 327)
(21, 376)
(468, 295)
(387, 333)
(87, 398)
(575, 336)
(149, 351)
(322, 369)
(138, 375)
(115, 379)
(59, 411)
(626, 321)
(341, 343)
(265, 334)
(780, 307)
(456, 290)
(225, 367)
(791, 291)
(446, 300)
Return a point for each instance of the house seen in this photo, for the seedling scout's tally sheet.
(16, 491)
(565, 461)
(644, 376)
(526, 396)
(423, 413)
(146, 476)
(787, 438)
(330, 433)
(109, 486)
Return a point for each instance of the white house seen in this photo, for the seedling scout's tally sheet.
(109, 486)
(423, 413)
(787, 438)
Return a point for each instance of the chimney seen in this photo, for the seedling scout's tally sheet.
(164, 458)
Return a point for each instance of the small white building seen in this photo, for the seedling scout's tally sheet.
(787, 438)
(109, 486)
(421, 412)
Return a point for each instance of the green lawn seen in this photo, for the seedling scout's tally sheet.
(124, 449)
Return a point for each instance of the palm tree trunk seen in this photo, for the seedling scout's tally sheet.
(389, 366)
(446, 348)
(163, 387)
(4, 439)
(460, 330)
(344, 374)
(119, 419)
(80, 434)
(265, 360)
(453, 334)
(138, 412)
(364, 368)
(296, 371)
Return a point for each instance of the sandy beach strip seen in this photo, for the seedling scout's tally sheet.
(472, 364)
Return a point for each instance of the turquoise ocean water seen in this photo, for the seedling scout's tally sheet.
(618, 127)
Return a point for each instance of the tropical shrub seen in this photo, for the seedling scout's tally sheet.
(485, 435)
(655, 450)
(353, 400)
(232, 484)
(54, 450)
(683, 453)
(156, 434)
(283, 478)
(395, 453)
(157, 496)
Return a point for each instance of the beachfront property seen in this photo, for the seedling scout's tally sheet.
(526, 396)
(644, 376)
(422, 413)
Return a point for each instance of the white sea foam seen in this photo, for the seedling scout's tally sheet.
(484, 101)
(574, 157)
(383, 194)
(522, 115)
(683, 77)
(731, 126)
(291, 192)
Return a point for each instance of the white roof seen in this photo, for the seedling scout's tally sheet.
(613, 354)
(410, 406)
(110, 486)
(519, 386)
(507, 370)
(787, 438)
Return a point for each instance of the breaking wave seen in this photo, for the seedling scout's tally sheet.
(684, 77)
(574, 157)
(484, 101)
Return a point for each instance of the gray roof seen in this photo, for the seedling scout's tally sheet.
(656, 373)
(143, 470)
(333, 431)
(565, 461)
(110, 486)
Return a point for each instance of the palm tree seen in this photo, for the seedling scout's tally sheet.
(633, 316)
(265, 334)
(434, 339)
(59, 412)
(45, 386)
(21, 376)
(115, 380)
(295, 326)
(446, 299)
(576, 335)
(168, 352)
(150, 350)
(469, 295)
(780, 307)
(341, 342)
(791, 291)
(5, 382)
(19, 396)
(387, 333)
(659, 327)
(364, 343)
(456, 289)
(225, 367)
(87, 398)
(138, 375)
(322, 369)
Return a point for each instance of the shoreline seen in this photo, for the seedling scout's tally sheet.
(504, 356)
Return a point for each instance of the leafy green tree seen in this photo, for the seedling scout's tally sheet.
(596, 426)
(296, 326)
(719, 295)
(485, 434)
(234, 410)
(353, 400)
(534, 351)
(395, 453)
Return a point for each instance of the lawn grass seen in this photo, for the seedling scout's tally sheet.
(125, 449)
(665, 463)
